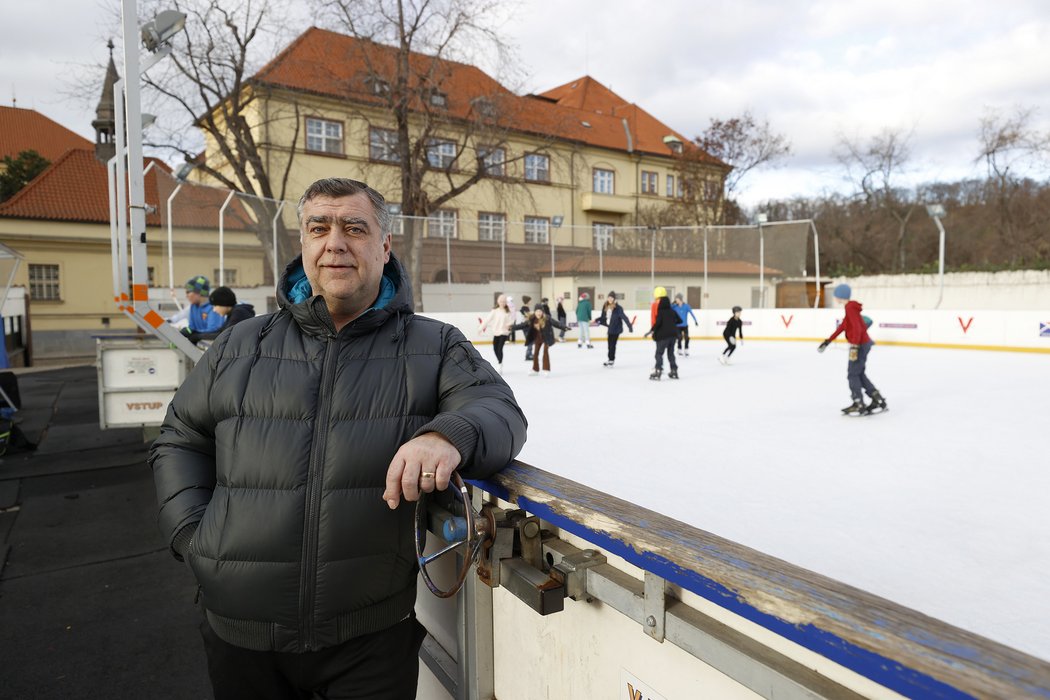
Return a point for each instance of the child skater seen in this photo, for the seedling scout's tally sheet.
(734, 327)
(500, 319)
(613, 316)
(542, 328)
(684, 311)
(664, 332)
(859, 346)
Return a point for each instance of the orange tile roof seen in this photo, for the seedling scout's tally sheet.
(588, 263)
(75, 188)
(335, 65)
(27, 129)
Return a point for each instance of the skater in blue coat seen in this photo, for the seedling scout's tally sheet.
(684, 311)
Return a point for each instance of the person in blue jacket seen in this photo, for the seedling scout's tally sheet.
(613, 317)
(202, 317)
(684, 311)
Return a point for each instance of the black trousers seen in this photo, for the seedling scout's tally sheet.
(498, 342)
(379, 666)
(665, 345)
(730, 345)
(683, 337)
(612, 338)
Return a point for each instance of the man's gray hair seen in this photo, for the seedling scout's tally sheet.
(344, 187)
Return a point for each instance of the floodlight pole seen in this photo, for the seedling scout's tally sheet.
(136, 184)
(280, 206)
(940, 260)
(761, 262)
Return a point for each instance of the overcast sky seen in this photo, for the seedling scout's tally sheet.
(816, 70)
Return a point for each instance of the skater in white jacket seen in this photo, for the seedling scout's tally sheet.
(498, 323)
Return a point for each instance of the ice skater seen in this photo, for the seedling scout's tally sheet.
(583, 320)
(563, 318)
(856, 327)
(664, 332)
(684, 311)
(541, 327)
(526, 314)
(613, 317)
(734, 328)
(499, 320)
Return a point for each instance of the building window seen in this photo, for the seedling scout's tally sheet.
(44, 283)
(383, 145)
(397, 224)
(442, 224)
(378, 86)
(441, 154)
(229, 277)
(603, 234)
(712, 190)
(604, 181)
(323, 136)
(491, 227)
(537, 229)
(436, 98)
(537, 167)
(484, 107)
(149, 276)
(649, 182)
(492, 160)
(670, 185)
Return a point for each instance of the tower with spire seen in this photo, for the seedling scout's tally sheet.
(105, 117)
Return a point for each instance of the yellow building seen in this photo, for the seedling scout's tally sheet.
(574, 163)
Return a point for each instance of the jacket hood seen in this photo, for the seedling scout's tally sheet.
(295, 295)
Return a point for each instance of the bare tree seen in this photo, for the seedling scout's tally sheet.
(208, 79)
(1009, 143)
(874, 168)
(742, 143)
(445, 138)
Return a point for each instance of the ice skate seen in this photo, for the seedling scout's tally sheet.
(722, 359)
(877, 405)
(579, 345)
(680, 353)
(673, 374)
(854, 409)
(499, 367)
(589, 346)
(546, 374)
(608, 363)
(656, 374)
(686, 353)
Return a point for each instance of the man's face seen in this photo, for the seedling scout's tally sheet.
(344, 252)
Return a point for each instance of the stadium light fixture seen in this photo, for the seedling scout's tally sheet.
(161, 28)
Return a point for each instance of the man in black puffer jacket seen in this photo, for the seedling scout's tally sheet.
(283, 459)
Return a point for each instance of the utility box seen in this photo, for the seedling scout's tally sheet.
(137, 377)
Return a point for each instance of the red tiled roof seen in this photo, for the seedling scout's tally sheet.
(327, 63)
(75, 188)
(27, 129)
(638, 265)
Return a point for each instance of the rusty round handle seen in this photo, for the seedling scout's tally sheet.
(477, 532)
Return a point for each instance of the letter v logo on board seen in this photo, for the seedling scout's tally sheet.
(965, 326)
(787, 321)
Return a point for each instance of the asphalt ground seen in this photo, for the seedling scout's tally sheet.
(91, 603)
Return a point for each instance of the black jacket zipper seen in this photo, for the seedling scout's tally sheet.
(314, 484)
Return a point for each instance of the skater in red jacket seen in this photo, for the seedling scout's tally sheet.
(856, 328)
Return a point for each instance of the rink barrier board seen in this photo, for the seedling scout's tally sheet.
(895, 647)
(1016, 331)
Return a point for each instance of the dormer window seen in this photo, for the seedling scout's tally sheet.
(378, 87)
(484, 107)
(436, 98)
(674, 143)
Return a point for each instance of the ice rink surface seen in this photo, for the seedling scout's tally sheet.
(941, 504)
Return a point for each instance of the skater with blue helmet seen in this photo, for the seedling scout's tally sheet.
(856, 327)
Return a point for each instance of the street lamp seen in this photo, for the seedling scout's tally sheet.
(936, 212)
(761, 218)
